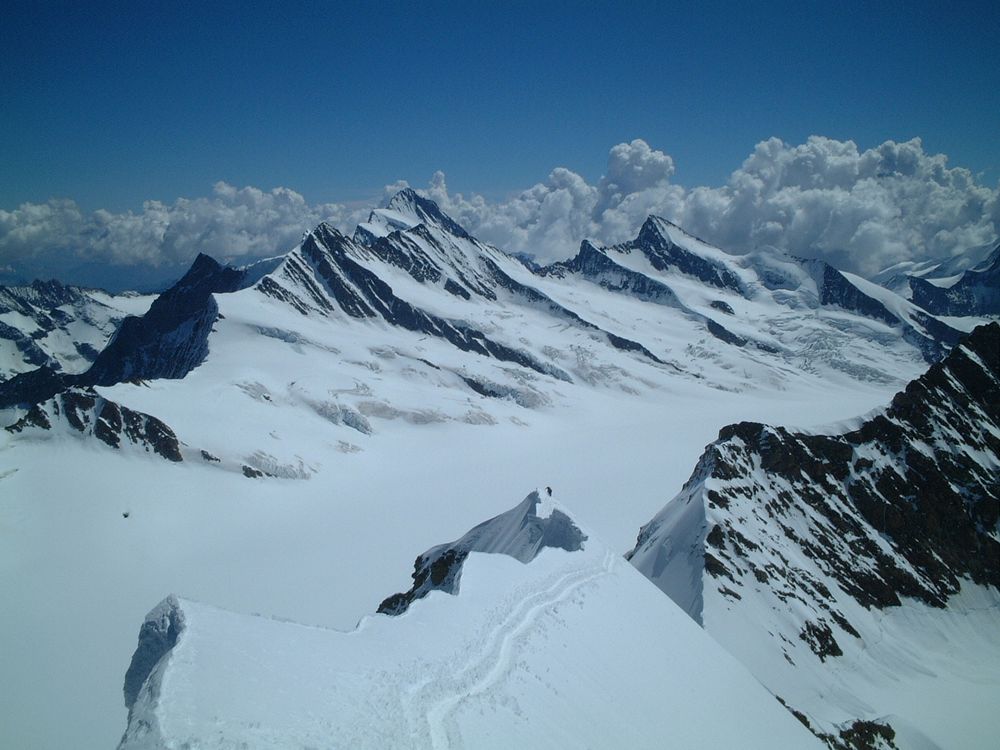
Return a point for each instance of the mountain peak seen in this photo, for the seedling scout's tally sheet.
(407, 197)
(405, 210)
(667, 245)
(203, 265)
(657, 228)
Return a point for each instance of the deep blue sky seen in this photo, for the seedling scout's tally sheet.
(114, 103)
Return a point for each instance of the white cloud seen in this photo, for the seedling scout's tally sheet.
(861, 210)
(234, 223)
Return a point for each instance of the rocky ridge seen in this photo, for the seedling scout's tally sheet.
(824, 529)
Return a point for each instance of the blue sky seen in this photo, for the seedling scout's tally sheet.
(114, 103)
(134, 135)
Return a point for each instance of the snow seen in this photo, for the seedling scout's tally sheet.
(89, 322)
(520, 657)
(380, 449)
(323, 551)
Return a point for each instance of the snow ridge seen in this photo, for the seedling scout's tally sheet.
(520, 533)
(511, 661)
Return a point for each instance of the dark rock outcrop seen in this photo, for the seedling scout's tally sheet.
(171, 339)
(86, 412)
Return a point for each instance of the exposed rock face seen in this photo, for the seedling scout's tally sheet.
(172, 338)
(520, 533)
(975, 292)
(905, 505)
(86, 412)
(34, 386)
(820, 528)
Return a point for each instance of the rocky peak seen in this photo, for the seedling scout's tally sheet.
(414, 209)
(39, 298)
(670, 248)
(905, 505)
(786, 545)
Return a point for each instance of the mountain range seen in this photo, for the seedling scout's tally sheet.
(277, 438)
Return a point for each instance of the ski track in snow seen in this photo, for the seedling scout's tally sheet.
(430, 704)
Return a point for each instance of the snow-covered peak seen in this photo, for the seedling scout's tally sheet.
(405, 210)
(974, 292)
(669, 249)
(939, 271)
(657, 226)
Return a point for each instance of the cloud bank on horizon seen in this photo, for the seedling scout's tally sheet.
(859, 210)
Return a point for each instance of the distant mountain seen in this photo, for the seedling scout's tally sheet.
(662, 306)
(975, 292)
(803, 553)
(897, 277)
(61, 327)
(556, 647)
(668, 266)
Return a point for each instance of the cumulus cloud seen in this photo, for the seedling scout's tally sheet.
(234, 224)
(860, 210)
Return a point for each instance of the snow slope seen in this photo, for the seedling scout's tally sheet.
(536, 655)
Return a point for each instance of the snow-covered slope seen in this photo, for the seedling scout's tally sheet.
(422, 310)
(662, 306)
(832, 565)
(62, 327)
(539, 653)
